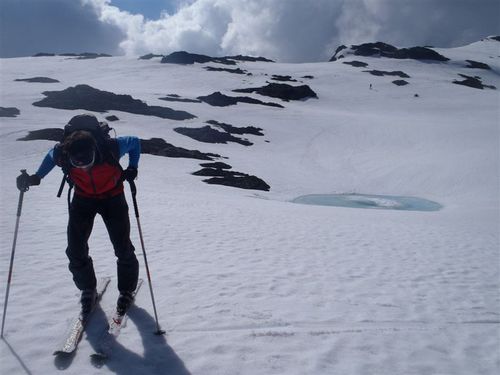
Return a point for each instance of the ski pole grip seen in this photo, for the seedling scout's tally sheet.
(25, 188)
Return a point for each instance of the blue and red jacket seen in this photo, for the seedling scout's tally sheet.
(103, 179)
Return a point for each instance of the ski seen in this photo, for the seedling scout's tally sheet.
(74, 334)
(115, 324)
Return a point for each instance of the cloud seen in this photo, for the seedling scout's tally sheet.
(284, 30)
(57, 26)
(301, 30)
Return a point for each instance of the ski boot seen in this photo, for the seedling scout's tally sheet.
(88, 301)
(125, 300)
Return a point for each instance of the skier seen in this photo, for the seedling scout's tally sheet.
(92, 166)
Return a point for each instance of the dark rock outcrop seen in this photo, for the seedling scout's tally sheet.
(234, 71)
(400, 82)
(307, 77)
(91, 99)
(149, 56)
(277, 77)
(216, 172)
(282, 91)
(9, 112)
(474, 82)
(381, 73)
(91, 55)
(208, 134)
(477, 65)
(497, 38)
(217, 165)
(112, 118)
(236, 130)
(177, 98)
(37, 80)
(186, 58)
(50, 134)
(44, 54)
(218, 99)
(248, 58)
(380, 49)
(356, 64)
(221, 176)
(240, 181)
(159, 147)
(79, 56)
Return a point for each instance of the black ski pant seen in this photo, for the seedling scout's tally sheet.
(114, 212)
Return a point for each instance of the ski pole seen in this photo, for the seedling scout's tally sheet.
(9, 278)
(133, 190)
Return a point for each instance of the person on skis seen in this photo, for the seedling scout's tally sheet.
(92, 165)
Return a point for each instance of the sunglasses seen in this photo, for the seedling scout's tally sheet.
(83, 159)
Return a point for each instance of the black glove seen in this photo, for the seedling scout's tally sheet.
(24, 181)
(129, 174)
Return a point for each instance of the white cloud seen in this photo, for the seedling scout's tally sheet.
(300, 30)
(285, 30)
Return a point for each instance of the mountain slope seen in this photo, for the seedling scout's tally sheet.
(247, 282)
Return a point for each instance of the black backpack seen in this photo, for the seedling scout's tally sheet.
(99, 130)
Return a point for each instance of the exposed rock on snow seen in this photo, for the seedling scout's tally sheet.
(497, 38)
(380, 49)
(91, 99)
(217, 164)
(208, 134)
(50, 134)
(44, 54)
(282, 91)
(236, 130)
(241, 181)
(230, 178)
(357, 64)
(381, 73)
(216, 172)
(477, 65)
(186, 58)
(177, 98)
(159, 147)
(79, 56)
(112, 118)
(37, 80)
(277, 77)
(218, 99)
(234, 71)
(9, 112)
(400, 82)
(474, 82)
(248, 58)
(149, 56)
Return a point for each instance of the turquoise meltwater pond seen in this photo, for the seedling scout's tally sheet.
(383, 202)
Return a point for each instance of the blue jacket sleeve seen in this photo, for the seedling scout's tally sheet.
(47, 165)
(131, 146)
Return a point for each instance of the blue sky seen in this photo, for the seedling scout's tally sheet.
(151, 9)
(283, 30)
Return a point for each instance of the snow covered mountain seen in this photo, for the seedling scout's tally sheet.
(248, 282)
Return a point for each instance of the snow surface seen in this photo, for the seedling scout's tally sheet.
(247, 282)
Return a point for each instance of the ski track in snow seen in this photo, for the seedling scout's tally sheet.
(263, 286)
